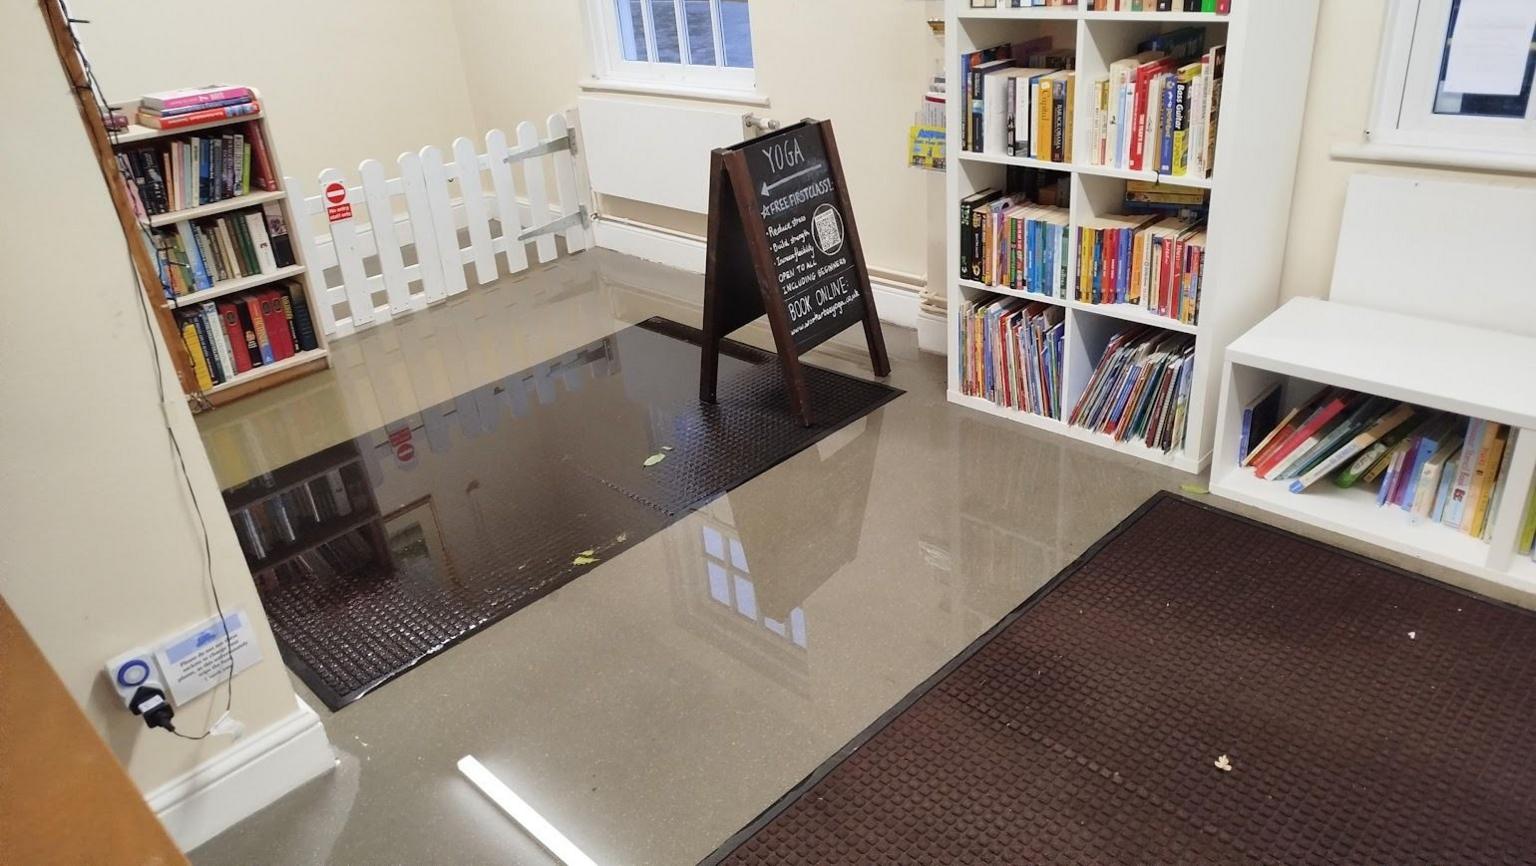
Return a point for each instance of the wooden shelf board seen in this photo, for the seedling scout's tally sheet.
(1176, 459)
(136, 134)
(1088, 170)
(269, 369)
(217, 207)
(1442, 365)
(1125, 312)
(229, 287)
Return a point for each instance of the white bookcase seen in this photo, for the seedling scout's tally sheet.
(1268, 59)
(1387, 330)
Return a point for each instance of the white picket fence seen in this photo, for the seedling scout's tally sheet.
(368, 227)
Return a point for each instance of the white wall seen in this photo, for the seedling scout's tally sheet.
(345, 80)
(865, 64)
(1338, 107)
(98, 551)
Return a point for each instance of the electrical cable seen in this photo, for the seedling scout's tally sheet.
(99, 102)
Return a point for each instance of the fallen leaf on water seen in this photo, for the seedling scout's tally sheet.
(588, 552)
(666, 447)
(654, 459)
(1224, 764)
(1195, 489)
(584, 560)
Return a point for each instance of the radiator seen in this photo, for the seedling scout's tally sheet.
(654, 152)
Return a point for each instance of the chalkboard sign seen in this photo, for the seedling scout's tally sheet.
(782, 241)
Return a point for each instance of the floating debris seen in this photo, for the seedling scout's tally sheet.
(1224, 764)
(1195, 489)
(654, 459)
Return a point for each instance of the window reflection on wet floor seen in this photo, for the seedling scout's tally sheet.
(654, 706)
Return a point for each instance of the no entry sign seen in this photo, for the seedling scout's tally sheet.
(336, 206)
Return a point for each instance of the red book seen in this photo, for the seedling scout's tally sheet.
(1322, 415)
(262, 174)
(231, 319)
(193, 118)
(1223, 7)
(277, 325)
(1144, 75)
(1165, 277)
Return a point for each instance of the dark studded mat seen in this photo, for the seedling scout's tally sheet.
(1360, 714)
(378, 553)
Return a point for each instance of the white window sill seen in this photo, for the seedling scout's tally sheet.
(1436, 157)
(675, 90)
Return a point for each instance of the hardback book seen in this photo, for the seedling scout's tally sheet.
(170, 100)
(1326, 410)
(1484, 476)
(304, 325)
(1526, 540)
(276, 324)
(1472, 445)
(1259, 417)
(256, 231)
(248, 332)
(195, 118)
(235, 335)
(1443, 491)
(193, 342)
(277, 233)
(1429, 485)
(259, 325)
(1363, 412)
(188, 109)
(261, 161)
(1364, 439)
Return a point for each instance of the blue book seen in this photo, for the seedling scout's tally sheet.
(200, 276)
(1443, 493)
(1165, 123)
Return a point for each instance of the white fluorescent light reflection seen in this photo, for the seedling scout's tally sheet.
(523, 814)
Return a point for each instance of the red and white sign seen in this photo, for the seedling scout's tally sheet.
(337, 207)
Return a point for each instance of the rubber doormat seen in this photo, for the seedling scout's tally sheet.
(1196, 689)
(378, 553)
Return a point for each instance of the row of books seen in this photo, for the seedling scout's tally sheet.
(1018, 4)
(1218, 7)
(1005, 240)
(1140, 388)
(242, 332)
(1159, 110)
(1011, 352)
(281, 518)
(174, 109)
(1156, 262)
(346, 554)
(1437, 466)
(197, 170)
(1017, 100)
(197, 254)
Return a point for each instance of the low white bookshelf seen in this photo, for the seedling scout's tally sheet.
(1387, 330)
(1268, 59)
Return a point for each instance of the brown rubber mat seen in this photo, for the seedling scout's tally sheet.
(378, 553)
(1368, 716)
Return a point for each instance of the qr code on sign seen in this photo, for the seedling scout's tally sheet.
(829, 229)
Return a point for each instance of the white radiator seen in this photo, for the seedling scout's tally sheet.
(654, 152)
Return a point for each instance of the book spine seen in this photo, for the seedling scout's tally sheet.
(265, 178)
(194, 343)
(303, 324)
(195, 118)
(189, 108)
(204, 98)
(1471, 449)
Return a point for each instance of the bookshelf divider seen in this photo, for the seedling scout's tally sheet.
(1267, 65)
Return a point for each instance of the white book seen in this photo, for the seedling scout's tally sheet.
(256, 227)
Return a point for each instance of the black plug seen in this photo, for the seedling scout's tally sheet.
(150, 703)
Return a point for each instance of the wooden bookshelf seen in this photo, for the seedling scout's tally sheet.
(1268, 59)
(258, 378)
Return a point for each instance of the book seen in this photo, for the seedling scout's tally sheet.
(189, 109)
(1362, 440)
(1260, 415)
(303, 324)
(278, 335)
(194, 344)
(1472, 445)
(196, 118)
(1484, 475)
(1429, 486)
(1362, 412)
(1443, 491)
(259, 327)
(248, 330)
(171, 100)
(261, 161)
(277, 233)
(1525, 540)
(235, 336)
(1290, 448)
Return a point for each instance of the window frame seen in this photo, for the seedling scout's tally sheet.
(610, 69)
(1403, 124)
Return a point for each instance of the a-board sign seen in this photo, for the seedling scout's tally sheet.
(782, 241)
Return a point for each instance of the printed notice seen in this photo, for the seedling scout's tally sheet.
(197, 660)
(1490, 47)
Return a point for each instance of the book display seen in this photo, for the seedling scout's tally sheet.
(1128, 165)
(204, 184)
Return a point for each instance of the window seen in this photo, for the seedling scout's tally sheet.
(699, 44)
(1455, 79)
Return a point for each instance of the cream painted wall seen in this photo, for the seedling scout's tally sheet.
(1338, 107)
(98, 551)
(865, 64)
(346, 79)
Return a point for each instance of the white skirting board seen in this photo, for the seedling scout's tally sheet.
(213, 797)
(897, 303)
